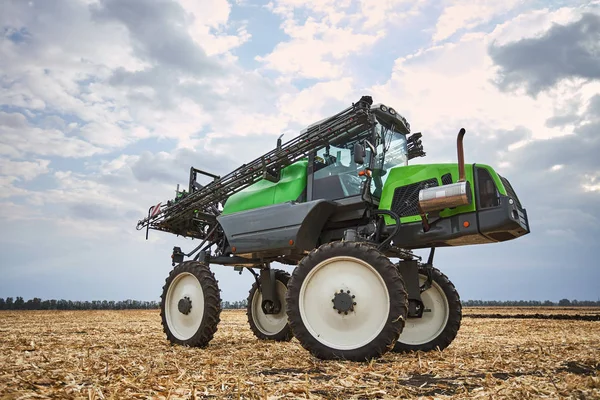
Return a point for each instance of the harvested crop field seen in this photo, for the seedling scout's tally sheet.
(124, 354)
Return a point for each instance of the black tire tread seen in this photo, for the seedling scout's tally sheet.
(454, 319)
(212, 304)
(286, 334)
(398, 308)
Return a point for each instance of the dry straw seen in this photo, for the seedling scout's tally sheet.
(124, 355)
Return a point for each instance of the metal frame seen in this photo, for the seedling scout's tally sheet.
(195, 213)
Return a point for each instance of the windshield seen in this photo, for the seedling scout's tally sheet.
(392, 151)
(336, 175)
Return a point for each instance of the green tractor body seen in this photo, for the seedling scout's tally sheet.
(338, 203)
(494, 213)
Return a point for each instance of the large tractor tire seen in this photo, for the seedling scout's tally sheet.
(346, 300)
(269, 326)
(190, 305)
(441, 320)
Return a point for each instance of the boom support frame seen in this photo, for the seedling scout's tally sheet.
(194, 215)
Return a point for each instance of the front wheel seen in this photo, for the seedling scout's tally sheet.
(269, 326)
(346, 300)
(190, 305)
(439, 325)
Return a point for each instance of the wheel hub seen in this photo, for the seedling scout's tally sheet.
(185, 305)
(343, 302)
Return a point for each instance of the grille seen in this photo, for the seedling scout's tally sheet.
(406, 198)
(510, 191)
(446, 179)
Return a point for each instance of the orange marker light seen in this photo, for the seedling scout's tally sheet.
(233, 249)
(466, 224)
(291, 242)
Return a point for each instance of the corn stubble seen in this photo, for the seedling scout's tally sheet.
(123, 354)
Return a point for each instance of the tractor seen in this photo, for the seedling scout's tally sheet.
(342, 206)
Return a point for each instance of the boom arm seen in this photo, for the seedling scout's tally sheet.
(195, 215)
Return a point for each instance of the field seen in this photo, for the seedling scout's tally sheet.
(123, 354)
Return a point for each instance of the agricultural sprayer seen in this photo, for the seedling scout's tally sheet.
(338, 202)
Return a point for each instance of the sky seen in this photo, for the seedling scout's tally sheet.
(105, 105)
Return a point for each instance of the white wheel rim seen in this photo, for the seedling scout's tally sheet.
(184, 326)
(419, 331)
(269, 324)
(360, 326)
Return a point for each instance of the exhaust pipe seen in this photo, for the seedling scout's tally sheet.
(461, 155)
(457, 194)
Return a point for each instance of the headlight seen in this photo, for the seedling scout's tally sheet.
(392, 111)
(383, 108)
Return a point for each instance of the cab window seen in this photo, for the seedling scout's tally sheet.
(335, 173)
(487, 192)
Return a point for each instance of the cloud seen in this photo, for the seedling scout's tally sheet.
(323, 35)
(158, 33)
(26, 170)
(565, 52)
(317, 50)
(210, 22)
(468, 14)
(173, 168)
(445, 87)
(19, 138)
(386, 12)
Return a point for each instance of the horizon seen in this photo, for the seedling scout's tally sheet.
(105, 106)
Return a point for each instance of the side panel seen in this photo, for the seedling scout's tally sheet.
(498, 217)
(292, 226)
(401, 189)
(265, 193)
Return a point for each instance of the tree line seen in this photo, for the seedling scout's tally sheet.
(530, 303)
(36, 303)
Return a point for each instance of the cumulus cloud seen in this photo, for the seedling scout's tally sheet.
(445, 87)
(25, 170)
(565, 52)
(468, 14)
(210, 16)
(158, 34)
(316, 50)
(323, 35)
(19, 138)
(173, 168)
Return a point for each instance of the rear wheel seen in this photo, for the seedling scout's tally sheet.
(269, 326)
(441, 319)
(190, 305)
(346, 300)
